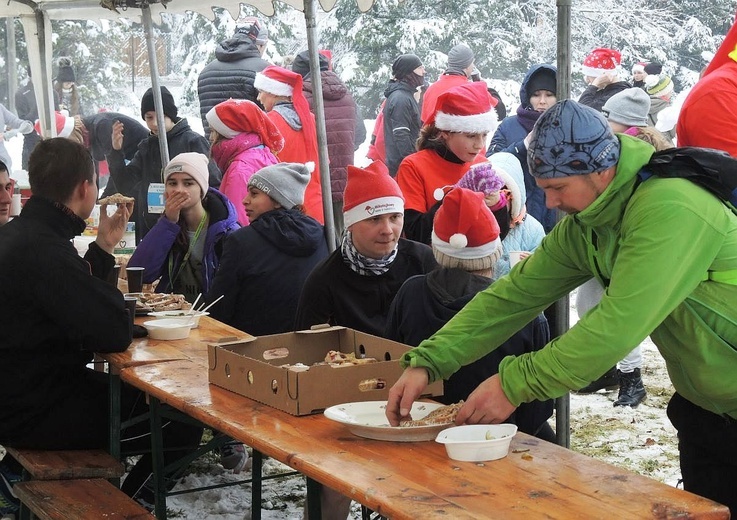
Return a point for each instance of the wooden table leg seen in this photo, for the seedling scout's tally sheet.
(257, 466)
(157, 456)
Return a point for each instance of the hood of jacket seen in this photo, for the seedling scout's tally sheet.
(223, 216)
(524, 96)
(453, 288)
(287, 111)
(333, 87)
(290, 231)
(236, 48)
(395, 86)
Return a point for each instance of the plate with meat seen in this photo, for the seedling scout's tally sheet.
(155, 302)
(368, 419)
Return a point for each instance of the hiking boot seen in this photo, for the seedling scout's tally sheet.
(631, 389)
(609, 381)
(233, 456)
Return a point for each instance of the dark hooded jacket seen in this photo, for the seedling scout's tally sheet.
(229, 75)
(401, 123)
(427, 302)
(263, 269)
(595, 98)
(510, 136)
(340, 124)
(133, 179)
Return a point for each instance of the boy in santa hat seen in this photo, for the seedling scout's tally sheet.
(280, 93)
(466, 244)
(601, 73)
(453, 139)
(356, 284)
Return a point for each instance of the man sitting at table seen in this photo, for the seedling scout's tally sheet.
(58, 309)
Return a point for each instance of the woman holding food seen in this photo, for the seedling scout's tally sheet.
(265, 264)
(183, 248)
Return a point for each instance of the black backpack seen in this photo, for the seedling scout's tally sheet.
(714, 170)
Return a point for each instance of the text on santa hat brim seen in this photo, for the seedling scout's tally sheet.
(373, 208)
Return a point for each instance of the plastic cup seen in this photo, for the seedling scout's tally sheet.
(130, 304)
(515, 257)
(135, 279)
(114, 274)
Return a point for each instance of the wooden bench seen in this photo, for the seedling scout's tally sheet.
(67, 464)
(78, 500)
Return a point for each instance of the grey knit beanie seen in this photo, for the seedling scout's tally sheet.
(628, 107)
(460, 57)
(284, 182)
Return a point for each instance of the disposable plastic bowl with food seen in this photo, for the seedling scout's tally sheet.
(477, 442)
(168, 328)
(180, 315)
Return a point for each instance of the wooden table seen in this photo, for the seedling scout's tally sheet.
(417, 480)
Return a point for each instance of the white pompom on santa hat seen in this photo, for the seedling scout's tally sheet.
(467, 108)
(465, 233)
(64, 125)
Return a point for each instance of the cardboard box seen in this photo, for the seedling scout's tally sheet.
(254, 368)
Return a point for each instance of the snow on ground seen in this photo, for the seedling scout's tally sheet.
(641, 440)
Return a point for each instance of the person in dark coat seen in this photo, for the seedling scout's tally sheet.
(401, 111)
(536, 93)
(26, 108)
(95, 133)
(144, 170)
(265, 264)
(62, 310)
(231, 73)
(356, 284)
(427, 302)
(341, 122)
(354, 287)
(601, 74)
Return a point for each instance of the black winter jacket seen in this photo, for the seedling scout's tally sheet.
(335, 294)
(263, 269)
(425, 303)
(401, 123)
(56, 308)
(229, 75)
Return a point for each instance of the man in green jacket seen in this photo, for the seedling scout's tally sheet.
(661, 248)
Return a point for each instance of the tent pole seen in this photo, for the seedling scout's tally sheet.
(12, 71)
(563, 404)
(37, 29)
(319, 108)
(155, 85)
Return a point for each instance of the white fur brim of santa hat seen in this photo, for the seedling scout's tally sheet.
(213, 119)
(457, 247)
(470, 124)
(373, 208)
(595, 73)
(272, 86)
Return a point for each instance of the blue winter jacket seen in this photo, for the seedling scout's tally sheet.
(509, 137)
(153, 251)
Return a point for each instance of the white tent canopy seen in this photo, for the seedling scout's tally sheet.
(36, 16)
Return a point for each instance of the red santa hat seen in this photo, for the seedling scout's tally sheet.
(64, 125)
(235, 116)
(466, 108)
(369, 192)
(465, 233)
(638, 67)
(601, 60)
(282, 82)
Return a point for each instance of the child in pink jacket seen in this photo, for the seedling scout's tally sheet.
(243, 140)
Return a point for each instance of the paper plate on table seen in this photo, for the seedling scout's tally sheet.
(368, 419)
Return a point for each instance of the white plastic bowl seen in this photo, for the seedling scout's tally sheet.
(168, 329)
(180, 315)
(477, 442)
